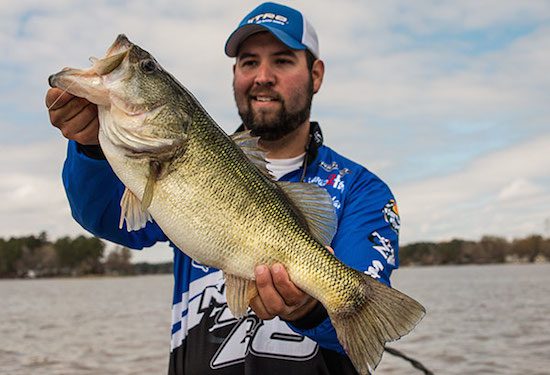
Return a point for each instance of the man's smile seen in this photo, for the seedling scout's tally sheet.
(264, 98)
(264, 101)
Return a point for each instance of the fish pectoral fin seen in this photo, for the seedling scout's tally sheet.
(132, 212)
(315, 205)
(239, 292)
(148, 193)
(155, 170)
(249, 145)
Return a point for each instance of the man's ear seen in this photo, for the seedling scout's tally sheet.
(317, 74)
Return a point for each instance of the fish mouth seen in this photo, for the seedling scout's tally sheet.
(99, 68)
(114, 56)
(89, 83)
(83, 83)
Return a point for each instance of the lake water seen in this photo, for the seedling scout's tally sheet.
(480, 320)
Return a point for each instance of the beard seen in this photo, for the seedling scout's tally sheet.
(275, 126)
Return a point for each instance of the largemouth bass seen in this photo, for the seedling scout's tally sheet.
(213, 196)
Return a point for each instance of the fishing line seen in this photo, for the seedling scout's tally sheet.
(60, 95)
(413, 362)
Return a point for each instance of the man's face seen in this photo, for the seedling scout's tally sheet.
(273, 86)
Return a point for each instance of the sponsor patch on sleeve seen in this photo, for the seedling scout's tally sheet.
(391, 215)
(383, 246)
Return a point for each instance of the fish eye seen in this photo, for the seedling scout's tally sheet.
(148, 66)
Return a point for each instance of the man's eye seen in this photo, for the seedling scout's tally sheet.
(248, 63)
(283, 61)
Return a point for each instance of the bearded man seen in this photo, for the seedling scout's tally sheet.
(277, 71)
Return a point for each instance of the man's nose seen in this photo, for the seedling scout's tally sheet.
(265, 75)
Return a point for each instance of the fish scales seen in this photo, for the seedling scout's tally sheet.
(259, 200)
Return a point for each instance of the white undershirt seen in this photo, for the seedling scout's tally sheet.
(280, 167)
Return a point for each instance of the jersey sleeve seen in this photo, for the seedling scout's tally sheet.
(368, 229)
(94, 194)
(366, 239)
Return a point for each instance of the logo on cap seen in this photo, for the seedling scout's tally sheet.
(268, 17)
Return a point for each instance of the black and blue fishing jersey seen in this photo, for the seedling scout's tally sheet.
(206, 338)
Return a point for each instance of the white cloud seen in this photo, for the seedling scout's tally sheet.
(33, 199)
(505, 193)
(520, 188)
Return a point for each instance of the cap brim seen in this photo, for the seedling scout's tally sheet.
(238, 36)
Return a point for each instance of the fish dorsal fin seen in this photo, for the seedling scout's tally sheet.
(239, 292)
(315, 204)
(255, 154)
(131, 211)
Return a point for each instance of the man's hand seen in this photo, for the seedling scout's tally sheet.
(75, 117)
(278, 296)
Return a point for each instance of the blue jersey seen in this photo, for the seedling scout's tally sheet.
(206, 338)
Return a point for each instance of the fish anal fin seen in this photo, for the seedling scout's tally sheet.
(132, 212)
(249, 145)
(239, 292)
(315, 205)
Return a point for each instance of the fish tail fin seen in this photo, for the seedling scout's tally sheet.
(381, 314)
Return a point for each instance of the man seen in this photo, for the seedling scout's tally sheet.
(276, 73)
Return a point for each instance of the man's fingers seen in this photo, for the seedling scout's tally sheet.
(278, 296)
(71, 109)
(291, 294)
(56, 98)
(89, 135)
(257, 305)
(75, 117)
(272, 301)
(77, 120)
(76, 124)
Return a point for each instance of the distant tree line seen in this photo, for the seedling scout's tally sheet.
(489, 249)
(36, 256)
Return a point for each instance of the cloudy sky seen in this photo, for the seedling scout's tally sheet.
(447, 101)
